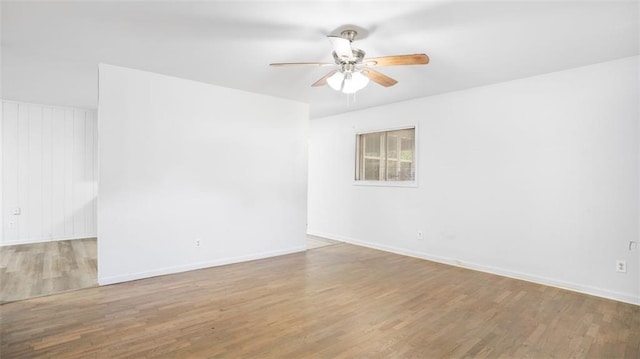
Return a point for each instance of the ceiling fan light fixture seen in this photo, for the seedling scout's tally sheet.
(335, 81)
(353, 70)
(347, 81)
(355, 82)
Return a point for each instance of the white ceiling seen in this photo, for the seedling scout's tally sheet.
(50, 50)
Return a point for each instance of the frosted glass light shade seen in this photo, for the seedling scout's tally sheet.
(348, 82)
(335, 81)
(356, 83)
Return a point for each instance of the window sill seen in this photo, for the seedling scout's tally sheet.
(410, 184)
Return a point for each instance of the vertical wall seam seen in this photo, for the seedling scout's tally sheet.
(84, 173)
(73, 172)
(64, 174)
(24, 203)
(51, 173)
(42, 230)
(16, 222)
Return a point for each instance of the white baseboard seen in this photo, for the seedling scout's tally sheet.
(199, 265)
(580, 288)
(42, 240)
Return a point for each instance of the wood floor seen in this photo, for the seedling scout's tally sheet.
(339, 301)
(34, 270)
(39, 269)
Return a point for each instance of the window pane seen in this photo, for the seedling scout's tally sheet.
(406, 149)
(406, 171)
(371, 170)
(392, 170)
(372, 145)
(392, 146)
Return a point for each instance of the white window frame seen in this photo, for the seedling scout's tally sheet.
(356, 157)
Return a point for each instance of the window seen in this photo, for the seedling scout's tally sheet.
(386, 156)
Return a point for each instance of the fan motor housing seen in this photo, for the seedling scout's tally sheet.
(358, 55)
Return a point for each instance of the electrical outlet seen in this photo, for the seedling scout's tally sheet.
(621, 266)
(420, 235)
(198, 242)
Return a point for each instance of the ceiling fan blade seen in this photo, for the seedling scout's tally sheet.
(318, 64)
(414, 59)
(341, 46)
(323, 80)
(379, 78)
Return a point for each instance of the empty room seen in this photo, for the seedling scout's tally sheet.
(320, 179)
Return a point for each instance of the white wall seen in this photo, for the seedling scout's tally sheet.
(182, 160)
(48, 172)
(534, 178)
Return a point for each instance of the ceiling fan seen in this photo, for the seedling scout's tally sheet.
(353, 70)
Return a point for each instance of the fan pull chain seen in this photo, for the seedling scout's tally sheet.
(351, 96)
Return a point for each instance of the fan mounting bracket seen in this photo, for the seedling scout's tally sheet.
(349, 34)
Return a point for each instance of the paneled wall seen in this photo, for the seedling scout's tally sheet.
(49, 173)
